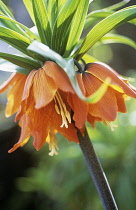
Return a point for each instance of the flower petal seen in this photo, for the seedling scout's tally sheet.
(25, 133)
(106, 108)
(41, 120)
(102, 71)
(59, 76)
(80, 110)
(120, 102)
(44, 89)
(91, 119)
(12, 79)
(28, 85)
(15, 95)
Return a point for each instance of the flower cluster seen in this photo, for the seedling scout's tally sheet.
(46, 102)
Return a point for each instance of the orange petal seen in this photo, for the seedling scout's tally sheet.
(28, 84)
(15, 95)
(120, 102)
(41, 120)
(13, 79)
(44, 89)
(80, 109)
(70, 133)
(9, 82)
(106, 108)
(80, 82)
(59, 76)
(25, 133)
(91, 119)
(102, 71)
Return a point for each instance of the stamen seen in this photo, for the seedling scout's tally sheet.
(52, 141)
(111, 125)
(61, 109)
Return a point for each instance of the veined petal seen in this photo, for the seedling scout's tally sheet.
(27, 106)
(15, 95)
(59, 76)
(25, 133)
(44, 89)
(12, 79)
(106, 108)
(120, 102)
(41, 120)
(80, 110)
(28, 84)
(102, 71)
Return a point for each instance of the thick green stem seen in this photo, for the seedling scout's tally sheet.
(97, 172)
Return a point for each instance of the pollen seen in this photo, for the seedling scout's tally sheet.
(61, 109)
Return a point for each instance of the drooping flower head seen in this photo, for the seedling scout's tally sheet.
(46, 103)
(113, 101)
(42, 105)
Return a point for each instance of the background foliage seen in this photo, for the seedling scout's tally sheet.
(34, 180)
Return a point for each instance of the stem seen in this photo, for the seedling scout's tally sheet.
(97, 172)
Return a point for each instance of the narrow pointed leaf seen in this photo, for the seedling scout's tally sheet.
(9, 67)
(4, 9)
(68, 66)
(62, 26)
(118, 5)
(14, 39)
(95, 16)
(28, 5)
(77, 25)
(104, 26)
(25, 32)
(114, 38)
(53, 10)
(24, 62)
(42, 21)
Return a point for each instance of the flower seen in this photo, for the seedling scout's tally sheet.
(112, 102)
(46, 103)
(42, 107)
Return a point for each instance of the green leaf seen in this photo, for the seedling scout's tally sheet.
(103, 27)
(77, 26)
(24, 62)
(6, 12)
(133, 21)
(68, 66)
(14, 39)
(62, 26)
(89, 59)
(53, 10)
(42, 21)
(102, 13)
(114, 38)
(95, 16)
(117, 5)
(4, 9)
(25, 32)
(28, 5)
(9, 67)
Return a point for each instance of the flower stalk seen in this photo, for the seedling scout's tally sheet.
(96, 171)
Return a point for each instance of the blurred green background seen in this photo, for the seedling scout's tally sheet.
(34, 180)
